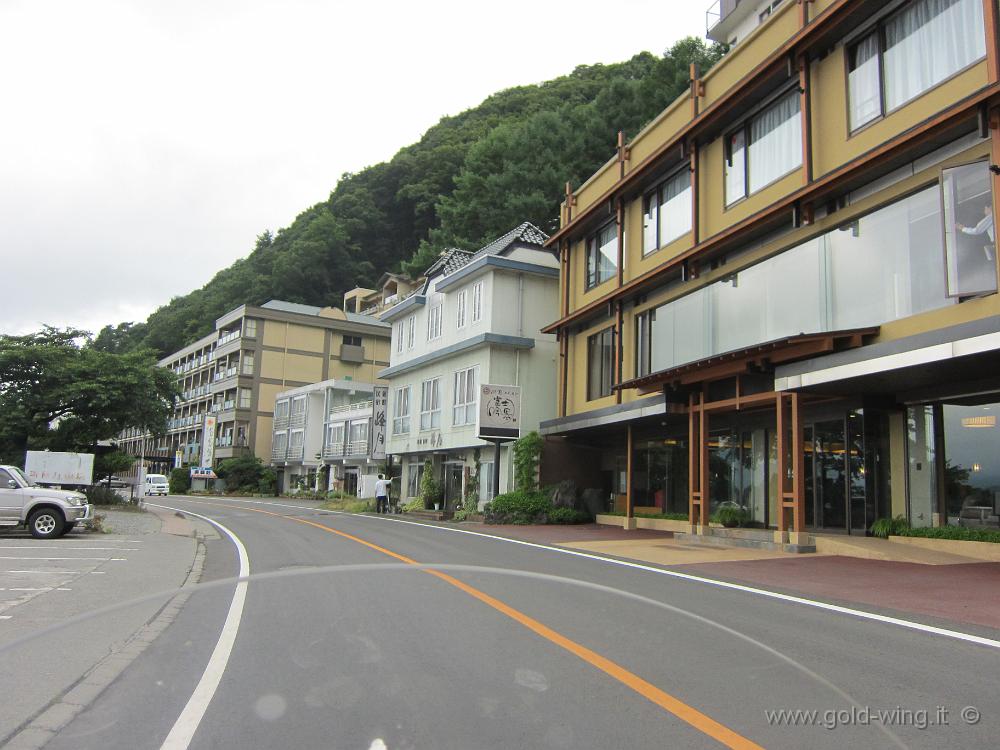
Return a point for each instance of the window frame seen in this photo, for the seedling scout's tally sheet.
(461, 309)
(478, 290)
(592, 341)
(963, 294)
(411, 331)
(594, 250)
(468, 408)
(427, 415)
(401, 420)
(435, 313)
(644, 342)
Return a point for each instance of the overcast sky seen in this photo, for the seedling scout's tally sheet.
(145, 144)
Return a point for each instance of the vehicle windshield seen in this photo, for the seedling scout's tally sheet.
(156, 478)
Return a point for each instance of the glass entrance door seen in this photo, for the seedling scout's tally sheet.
(453, 484)
(836, 492)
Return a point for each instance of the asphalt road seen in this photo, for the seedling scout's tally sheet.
(608, 657)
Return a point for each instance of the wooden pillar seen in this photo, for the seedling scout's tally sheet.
(697, 89)
(992, 23)
(782, 463)
(563, 336)
(804, 12)
(703, 482)
(798, 467)
(693, 451)
(805, 113)
(628, 476)
(693, 168)
(619, 351)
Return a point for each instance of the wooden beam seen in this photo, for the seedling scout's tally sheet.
(805, 113)
(798, 466)
(779, 403)
(992, 24)
(693, 450)
(703, 481)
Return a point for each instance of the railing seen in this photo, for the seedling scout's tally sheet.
(278, 454)
(281, 421)
(295, 454)
(227, 441)
(353, 448)
(231, 336)
(358, 406)
(297, 420)
(713, 15)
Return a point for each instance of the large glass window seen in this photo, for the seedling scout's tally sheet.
(434, 322)
(465, 397)
(969, 235)
(736, 167)
(775, 142)
(602, 255)
(430, 404)
(864, 81)
(667, 212)
(643, 334)
(881, 267)
(477, 302)
(928, 41)
(660, 476)
(599, 364)
(401, 411)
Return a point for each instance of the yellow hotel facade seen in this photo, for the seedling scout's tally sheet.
(781, 295)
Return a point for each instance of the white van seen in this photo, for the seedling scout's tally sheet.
(156, 484)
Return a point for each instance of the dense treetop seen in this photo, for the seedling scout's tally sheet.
(470, 178)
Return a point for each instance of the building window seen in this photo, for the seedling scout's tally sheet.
(281, 409)
(864, 81)
(643, 343)
(969, 234)
(434, 322)
(280, 443)
(358, 436)
(248, 363)
(668, 212)
(775, 148)
(465, 397)
(335, 436)
(477, 302)
(350, 340)
(430, 404)
(295, 440)
(401, 411)
(414, 472)
(461, 311)
(250, 328)
(602, 255)
(411, 327)
(298, 405)
(245, 394)
(599, 364)
(485, 481)
(399, 338)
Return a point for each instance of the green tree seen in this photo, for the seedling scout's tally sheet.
(57, 391)
(115, 462)
(241, 472)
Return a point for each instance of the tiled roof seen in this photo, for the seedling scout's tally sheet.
(449, 261)
(527, 233)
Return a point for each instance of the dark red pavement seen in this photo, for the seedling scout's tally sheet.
(968, 593)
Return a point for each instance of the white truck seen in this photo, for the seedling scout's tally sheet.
(46, 513)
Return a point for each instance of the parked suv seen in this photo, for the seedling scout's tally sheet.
(46, 513)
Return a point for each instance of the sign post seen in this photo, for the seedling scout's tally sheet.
(499, 420)
(380, 400)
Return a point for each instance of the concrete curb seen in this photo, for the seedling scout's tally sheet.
(36, 731)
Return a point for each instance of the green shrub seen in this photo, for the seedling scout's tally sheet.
(430, 488)
(568, 515)
(268, 482)
(414, 504)
(959, 533)
(527, 453)
(518, 507)
(730, 515)
(180, 481)
(883, 528)
(100, 494)
(242, 471)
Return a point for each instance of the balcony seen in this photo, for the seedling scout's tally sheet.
(343, 409)
(297, 420)
(351, 449)
(723, 16)
(281, 421)
(278, 453)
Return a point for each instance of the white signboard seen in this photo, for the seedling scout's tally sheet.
(380, 401)
(208, 441)
(499, 412)
(51, 467)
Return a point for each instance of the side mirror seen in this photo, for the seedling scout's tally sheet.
(11, 484)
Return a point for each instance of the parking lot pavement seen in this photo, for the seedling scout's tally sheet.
(45, 582)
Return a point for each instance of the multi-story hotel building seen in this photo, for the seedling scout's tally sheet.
(782, 293)
(234, 374)
(475, 320)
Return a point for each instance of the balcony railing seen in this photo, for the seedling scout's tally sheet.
(297, 420)
(281, 421)
(349, 448)
(344, 408)
(231, 336)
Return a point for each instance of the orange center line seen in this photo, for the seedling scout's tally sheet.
(664, 700)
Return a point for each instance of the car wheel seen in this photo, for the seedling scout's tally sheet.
(68, 528)
(46, 523)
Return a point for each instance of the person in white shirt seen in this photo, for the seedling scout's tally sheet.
(983, 227)
(381, 494)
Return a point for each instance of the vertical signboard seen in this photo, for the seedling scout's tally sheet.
(380, 402)
(499, 412)
(208, 441)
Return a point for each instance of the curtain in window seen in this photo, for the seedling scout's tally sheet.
(775, 142)
(863, 82)
(736, 174)
(929, 41)
(675, 210)
(650, 240)
(602, 258)
(599, 365)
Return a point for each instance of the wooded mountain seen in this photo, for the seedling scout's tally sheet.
(469, 179)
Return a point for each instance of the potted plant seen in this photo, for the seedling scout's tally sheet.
(731, 516)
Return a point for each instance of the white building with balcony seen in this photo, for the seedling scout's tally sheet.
(476, 319)
(320, 438)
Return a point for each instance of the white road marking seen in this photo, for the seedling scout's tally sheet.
(181, 734)
(5, 617)
(102, 559)
(74, 548)
(54, 572)
(859, 613)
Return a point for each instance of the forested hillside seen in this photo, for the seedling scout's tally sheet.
(470, 178)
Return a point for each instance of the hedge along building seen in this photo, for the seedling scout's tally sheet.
(781, 294)
(474, 320)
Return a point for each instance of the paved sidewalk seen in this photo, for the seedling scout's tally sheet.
(46, 582)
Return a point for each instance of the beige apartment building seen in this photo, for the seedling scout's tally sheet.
(230, 378)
